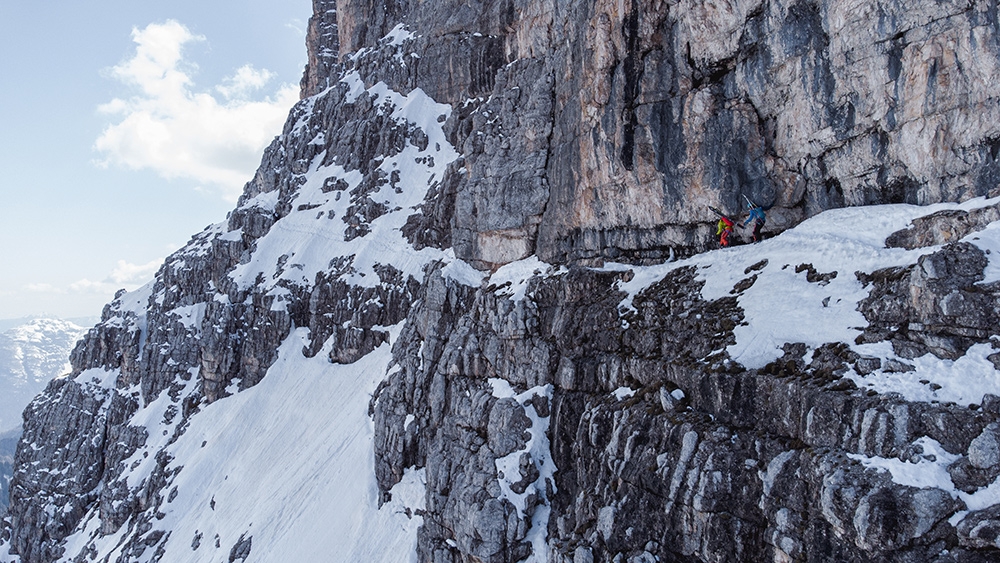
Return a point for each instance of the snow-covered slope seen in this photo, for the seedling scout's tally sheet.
(287, 463)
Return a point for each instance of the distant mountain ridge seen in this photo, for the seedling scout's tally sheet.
(7, 324)
(31, 354)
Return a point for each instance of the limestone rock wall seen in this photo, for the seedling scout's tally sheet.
(613, 126)
(704, 461)
(323, 47)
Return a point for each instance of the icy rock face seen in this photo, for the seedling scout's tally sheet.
(558, 411)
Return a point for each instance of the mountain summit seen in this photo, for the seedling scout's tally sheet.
(471, 307)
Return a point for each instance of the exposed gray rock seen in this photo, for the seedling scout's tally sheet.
(655, 470)
(943, 227)
(984, 451)
(663, 114)
(583, 555)
(991, 403)
(935, 306)
(64, 434)
(241, 549)
(8, 444)
(981, 529)
(323, 46)
(499, 203)
(969, 478)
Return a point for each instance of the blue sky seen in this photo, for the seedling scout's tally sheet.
(126, 126)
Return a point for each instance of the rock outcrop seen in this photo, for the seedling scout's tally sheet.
(702, 460)
(453, 183)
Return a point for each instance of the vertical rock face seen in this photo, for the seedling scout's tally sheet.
(451, 184)
(702, 460)
(323, 46)
(613, 127)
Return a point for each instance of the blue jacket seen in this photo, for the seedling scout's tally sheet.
(755, 213)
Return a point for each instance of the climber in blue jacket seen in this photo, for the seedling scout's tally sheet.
(757, 216)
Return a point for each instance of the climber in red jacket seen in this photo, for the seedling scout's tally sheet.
(725, 227)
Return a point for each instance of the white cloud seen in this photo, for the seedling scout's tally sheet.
(246, 81)
(124, 275)
(88, 286)
(134, 274)
(298, 26)
(183, 133)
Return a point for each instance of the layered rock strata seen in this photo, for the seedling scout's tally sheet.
(703, 460)
(605, 130)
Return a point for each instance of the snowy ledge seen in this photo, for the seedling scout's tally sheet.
(783, 306)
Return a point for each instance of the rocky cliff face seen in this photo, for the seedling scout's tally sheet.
(605, 130)
(471, 217)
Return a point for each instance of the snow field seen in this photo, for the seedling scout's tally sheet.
(782, 306)
(299, 469)
(289, 463)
